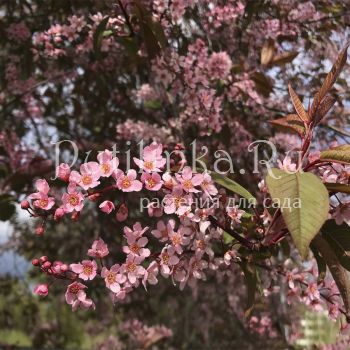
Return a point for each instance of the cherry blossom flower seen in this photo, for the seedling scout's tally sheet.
(152, 158)
(208, 186)
(163, 230)
(188, 181)
(99, 249)
(42, 290)
(168, 259)
(235, 213)
(180, 238)
(287, 165)
(83, 304)
(136, 246)
(133, 269)
(88, 177)
(136, 232)
(75, 291)
(107, 207)
(342, 214)
(196, 267)
(202, 245)
(153, 182)
(177, 202)
(73, 200)
(108, 163)
(86, 270)
(128, 182)
(219, 65)
(150, 275)
(113, 278)
(63, 171)
(42, 200)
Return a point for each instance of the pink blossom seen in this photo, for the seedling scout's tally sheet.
(342, 214)
(154, 210)
(122, 213)
(99, 249)
(235, 213)
(128, 182)
(89, 175)
(150, 275)
(180, 238)
(153, 182)
(136, 246)
(42, 200)
(312, 292)
(83, 304)
(107, 207)
(168, 259)
(63, 172)
(188, 180)
(42, 290)
(202, 245)
(287, 165)
(164, 230)
(86, 269)
(136, 232)
(108, 163)
(176, 202)
(75, 291)
(73, 200)
(113, 277)
(197, 265)
(219, 65)
(208, 186)
(152, 158)
(132, 268)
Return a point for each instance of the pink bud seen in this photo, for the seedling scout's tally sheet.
(35, 262)
(122, 213)
(107, 207)
(63, 172)
(39, 230)
(42, 290)
(25, 204)
(46, 264)
(43, 259)
(59, 213)
(64, 267)
(75, 216)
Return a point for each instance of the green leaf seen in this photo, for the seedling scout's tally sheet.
(309, 204)
(333, 187)
(233, 186)
(7, 207)
(338, 237)
(339, 154)
(98, 36)
(153, 104)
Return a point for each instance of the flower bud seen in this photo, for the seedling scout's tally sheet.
(75, 216)
(43, 259)
(63, 172)
(107, 207)
(25, 204)
(59, 213)
(64, 267)
(40, 230)
(122, 213)
(35, 262)
(42, 290)
(46, 264)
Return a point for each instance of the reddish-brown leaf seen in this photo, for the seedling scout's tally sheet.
(329, 81)
(290, 122)
(298, 105)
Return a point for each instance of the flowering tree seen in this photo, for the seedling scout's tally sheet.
(174, 99)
